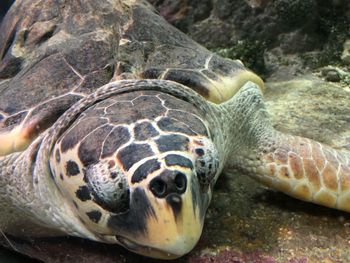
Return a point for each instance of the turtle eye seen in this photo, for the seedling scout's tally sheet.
(108, 187)
(207, 164)
(206, 172)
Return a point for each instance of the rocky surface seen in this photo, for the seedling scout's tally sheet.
(346, 52)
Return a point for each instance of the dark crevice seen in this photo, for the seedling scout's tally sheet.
(4, 7)
(33, 157)
(46, 36)
(9, 42)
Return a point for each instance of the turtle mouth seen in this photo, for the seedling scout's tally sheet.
(145, 250)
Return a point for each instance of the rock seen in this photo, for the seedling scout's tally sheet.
(282, 66)
(336, 74)
(257, 3)
(183, 13)
(213, 32)
(346, 52)
(294, 13)
(311, 107)
(300, 28)
(297, 42)
(331, 74)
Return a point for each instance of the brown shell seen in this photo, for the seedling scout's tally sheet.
(54, 52)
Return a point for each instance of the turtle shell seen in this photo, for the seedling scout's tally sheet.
(55, 53)
(51, 56)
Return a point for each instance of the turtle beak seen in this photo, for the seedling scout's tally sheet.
(166, 227)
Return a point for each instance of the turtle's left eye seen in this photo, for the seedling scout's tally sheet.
(207, 164)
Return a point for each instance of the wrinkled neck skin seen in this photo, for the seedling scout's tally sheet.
(244, 124)
(31, 204)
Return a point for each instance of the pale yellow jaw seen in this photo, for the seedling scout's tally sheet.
(147, 251)
(170, 234)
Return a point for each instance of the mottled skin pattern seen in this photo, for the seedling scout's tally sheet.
(90, 149)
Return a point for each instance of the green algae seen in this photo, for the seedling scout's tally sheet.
(248, 50)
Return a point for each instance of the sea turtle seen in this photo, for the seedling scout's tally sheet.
(115, 127)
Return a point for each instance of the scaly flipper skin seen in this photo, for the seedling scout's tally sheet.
(297, 166)
(307, 170)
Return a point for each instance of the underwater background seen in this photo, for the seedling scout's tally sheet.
(302, 50)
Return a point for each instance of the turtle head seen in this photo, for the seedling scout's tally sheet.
(138, 170)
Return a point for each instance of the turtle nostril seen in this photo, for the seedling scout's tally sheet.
(180, 182)
(168, 182)
(158, 187)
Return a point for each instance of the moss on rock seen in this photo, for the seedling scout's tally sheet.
(249, 51)
(294, 13)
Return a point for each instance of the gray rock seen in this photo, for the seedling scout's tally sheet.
(312, 108)
(331, 74)
(346, 52)
(300, 27)
(336, 74)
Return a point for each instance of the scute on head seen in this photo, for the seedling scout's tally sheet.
(148, 193)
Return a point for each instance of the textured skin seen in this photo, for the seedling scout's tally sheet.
(307, 170)
(299, 167)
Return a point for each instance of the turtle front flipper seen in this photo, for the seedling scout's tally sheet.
(300, 167)
(15, 140)
(216, 79)
(181, 60)
(18, 130)
(149, 48)
(307, 170)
